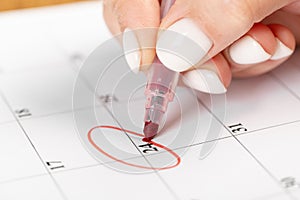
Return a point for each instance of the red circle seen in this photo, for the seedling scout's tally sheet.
(127, 163)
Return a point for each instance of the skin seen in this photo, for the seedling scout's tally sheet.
(261, 19)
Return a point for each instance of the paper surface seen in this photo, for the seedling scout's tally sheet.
(242, 145)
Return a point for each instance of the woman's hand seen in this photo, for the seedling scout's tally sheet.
(239, 38)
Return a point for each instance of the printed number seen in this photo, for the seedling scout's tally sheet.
(289, 182)
(237, 128)
(55, 165)
(23, 113)
(148, 148)
(108, 98)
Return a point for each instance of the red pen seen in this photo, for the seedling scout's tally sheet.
(160, 89)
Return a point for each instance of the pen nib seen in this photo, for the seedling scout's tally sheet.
(150, 130)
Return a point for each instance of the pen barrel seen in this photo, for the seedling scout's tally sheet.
(161, 80)
(160, 90)
(161, 84)
(165, 7)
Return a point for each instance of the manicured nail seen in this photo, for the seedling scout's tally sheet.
(248, 51)
(205, 81)
(131, 50)
(282, 51)
(182, 45)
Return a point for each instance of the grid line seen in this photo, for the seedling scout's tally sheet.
(270, 174)
(34, 148)
(172, 192)
(284, 85)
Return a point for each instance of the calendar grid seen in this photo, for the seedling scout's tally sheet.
(232, 135)
(23, 178)
(103, 105)
(260, 163)
(34, 148)
(284, 85)
(269, 127)
(196, 144)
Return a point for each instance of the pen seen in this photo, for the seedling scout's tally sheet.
(159, 90)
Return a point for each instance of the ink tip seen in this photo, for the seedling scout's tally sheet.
(150, 130)
(147, 139)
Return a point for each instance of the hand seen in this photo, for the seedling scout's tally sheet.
(239, 38)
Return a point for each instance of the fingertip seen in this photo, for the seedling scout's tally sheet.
(282, 51)
(256, 46)
(139, 53)
(148, 56)
(222, 69)
(147, 42)
(285, 46)
(204, 80)
(286, 41)
(183, 45)
(131, 50)
(264, 36)
(212, 77)
(141, 18)
(284, 34)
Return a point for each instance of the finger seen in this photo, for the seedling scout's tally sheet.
(285, 45)
(287, 19)
(211, 24)
(110, 18)
(213, 77)
(256, 46)
(293, 7)
(134, 17)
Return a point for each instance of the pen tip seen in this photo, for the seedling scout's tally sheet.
(150, 130)
(147, 139)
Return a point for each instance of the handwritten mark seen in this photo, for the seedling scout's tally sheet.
(108, 98)
(90, 139)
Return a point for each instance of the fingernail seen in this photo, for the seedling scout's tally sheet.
(282, 51)
(248, 51)
(131, 50)
(182, 45)
(205, 81)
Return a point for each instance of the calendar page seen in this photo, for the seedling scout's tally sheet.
(71, 121)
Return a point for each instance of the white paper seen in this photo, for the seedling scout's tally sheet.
(242, 145)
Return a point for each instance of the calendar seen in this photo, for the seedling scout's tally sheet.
(71, 121)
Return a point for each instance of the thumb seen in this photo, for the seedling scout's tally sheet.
(204, 28)
(138, 20)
